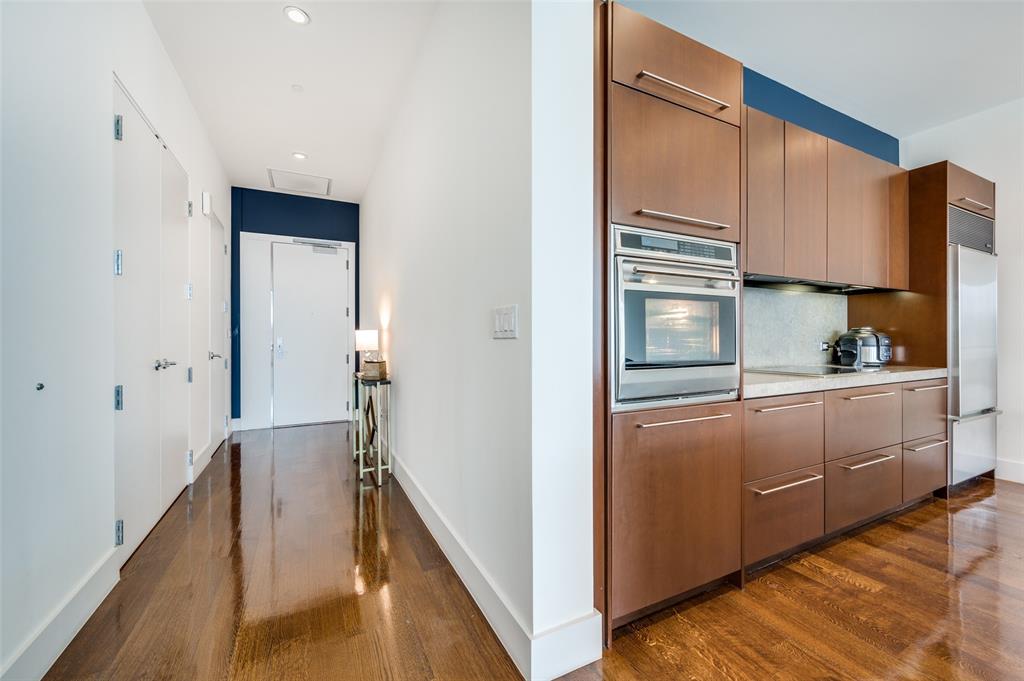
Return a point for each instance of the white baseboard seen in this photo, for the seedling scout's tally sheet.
(554, 652)
(36, 655)
(1010, 470)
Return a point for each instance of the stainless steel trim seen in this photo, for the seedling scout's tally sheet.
(672, 83)
(773, 490)
(788, 406)
(921, 449)
(682, 218)
(693, 420)
(881, 459)
(983, 206)
(976, 417)
(930, 387)
(868, 397)
(685, 273)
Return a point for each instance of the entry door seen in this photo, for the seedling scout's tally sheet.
(311, 334)
(174, 330)
(136, 325)
(218, 332)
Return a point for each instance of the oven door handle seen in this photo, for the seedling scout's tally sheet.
(690, 274)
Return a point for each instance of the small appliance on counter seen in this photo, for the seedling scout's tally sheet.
(863, 347)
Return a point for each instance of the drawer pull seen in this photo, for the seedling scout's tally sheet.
(868, 397)
(924, 447)
(691, 91)
(768, 410)
(979, 204)
(682, 218)
(927, 388)
(887, 457)
(673, 423)
(773, 490)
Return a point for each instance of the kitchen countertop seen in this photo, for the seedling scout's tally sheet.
(756, 384)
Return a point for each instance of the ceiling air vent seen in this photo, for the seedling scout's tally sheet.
(299, 182)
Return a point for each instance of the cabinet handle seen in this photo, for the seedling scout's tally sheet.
(979, 204)
(924, 447)
(682, 218)
(693, 420)
(672, 83)
(868, 397)
(886, 457)
(767, 410)
(926, 389)
(773, 490)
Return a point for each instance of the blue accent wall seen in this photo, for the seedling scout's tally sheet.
(772, 97)
(264, 212)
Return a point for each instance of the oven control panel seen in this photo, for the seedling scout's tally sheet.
(670, 246)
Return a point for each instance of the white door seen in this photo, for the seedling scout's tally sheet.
(311, 334)
(136, 325)
(174, 330)
(218, 333)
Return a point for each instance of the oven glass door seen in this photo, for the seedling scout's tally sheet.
(676, 329)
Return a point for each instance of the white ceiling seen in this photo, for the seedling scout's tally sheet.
(899, 66)
(239, 60)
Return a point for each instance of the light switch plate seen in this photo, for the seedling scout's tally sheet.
(506, 322)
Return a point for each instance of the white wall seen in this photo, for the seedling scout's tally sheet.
(991, 144)
(58, 497)
(470, 208)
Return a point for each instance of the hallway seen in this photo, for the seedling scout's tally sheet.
(274, 566)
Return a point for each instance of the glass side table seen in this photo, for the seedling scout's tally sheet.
(371, 421)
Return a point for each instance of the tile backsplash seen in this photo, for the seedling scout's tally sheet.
(786, 327)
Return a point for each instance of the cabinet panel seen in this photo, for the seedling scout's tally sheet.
(651, 57)
(970, 192)
(875, 221)
(806, 203)
(673, 169)
(781, 434)
(862, 419)
(675, 502)
(782, 512)
(861, 486)
(766, 185)
(899, 228)
(845, 214)
(924, 409)
(924, 466)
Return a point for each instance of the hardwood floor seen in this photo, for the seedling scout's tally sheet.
(275, 566)
(926, 595)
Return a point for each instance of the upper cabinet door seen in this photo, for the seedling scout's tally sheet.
(875, 201)
(845, 214)
(651, 57)
(899, 228)
(673, 169)
(766, 194)
(807, 210)
(970, 192)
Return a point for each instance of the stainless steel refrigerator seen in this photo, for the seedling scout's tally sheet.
(973, 342)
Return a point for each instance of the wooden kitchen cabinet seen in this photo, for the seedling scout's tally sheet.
(971, 192)
(675, 502)
(807, 209)
(782, 512)
(673, 169)
(924, 409)
(781, 434)
(862, 419)
(924, 466)
(862, 486)
(651, 57)
(845, 214)
(766, 198)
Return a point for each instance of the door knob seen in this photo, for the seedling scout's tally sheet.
(214, 355)
(163, 364)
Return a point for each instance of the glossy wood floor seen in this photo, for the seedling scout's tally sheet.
(927, 595)
(275, 566)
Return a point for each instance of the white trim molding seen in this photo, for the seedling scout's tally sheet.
(1007, 469)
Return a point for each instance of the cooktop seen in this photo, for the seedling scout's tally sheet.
(811, 370)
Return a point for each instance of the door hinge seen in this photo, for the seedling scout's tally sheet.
(346, 264)
(225, 422)
(225, 249)
(118, 398)
(347, 405)
(118, 262)
(191, 458)
(118, 532)
(225, 306)
(346, 358)
(118, 127)
(188, 291)
(190, 209)
(346, 311)
(190, 374)
(225, 362)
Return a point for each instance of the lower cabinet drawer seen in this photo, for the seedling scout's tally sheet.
(924, 466)
(782, 512)
(860, 486)
(782, 434)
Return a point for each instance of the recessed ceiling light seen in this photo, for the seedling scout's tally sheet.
(297, 15)
(297, 88)
(299, 155)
